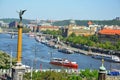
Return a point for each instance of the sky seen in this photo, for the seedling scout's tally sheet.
(61, 9)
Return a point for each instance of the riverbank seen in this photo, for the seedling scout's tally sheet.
(74, 48)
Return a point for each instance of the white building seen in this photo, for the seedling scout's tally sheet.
(3, 24)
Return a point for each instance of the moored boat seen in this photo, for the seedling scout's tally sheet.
(64, 63)
(38, 39)
(65, 50)
(111, 58)
(31, 34)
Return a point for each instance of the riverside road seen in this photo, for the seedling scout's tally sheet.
(38, 55)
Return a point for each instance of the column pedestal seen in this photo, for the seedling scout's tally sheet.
(18, 71)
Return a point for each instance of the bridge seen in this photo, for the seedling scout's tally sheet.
(9, 31)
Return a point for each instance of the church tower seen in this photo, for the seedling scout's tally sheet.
(102, 72)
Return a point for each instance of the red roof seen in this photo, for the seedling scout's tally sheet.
(110, 31)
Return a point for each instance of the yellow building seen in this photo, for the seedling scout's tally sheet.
(0, 30)
(78, 30)
(44, 28)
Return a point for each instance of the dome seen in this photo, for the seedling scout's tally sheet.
(72, 21)
(102, 68)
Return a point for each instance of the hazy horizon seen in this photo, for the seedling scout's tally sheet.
(62, 9)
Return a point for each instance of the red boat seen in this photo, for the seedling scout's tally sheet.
(64, 62)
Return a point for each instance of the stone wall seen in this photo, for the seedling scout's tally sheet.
(112, 77)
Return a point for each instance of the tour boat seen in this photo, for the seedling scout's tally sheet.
(64, 63)
(111, 58)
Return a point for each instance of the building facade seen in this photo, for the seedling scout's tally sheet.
(44, 28)
(111, 35)
(51, 28)
(3, 24)
(79, 30)
(13, 24)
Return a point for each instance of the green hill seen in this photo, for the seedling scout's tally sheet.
(8, 20)
(84, 22)
(67, 22)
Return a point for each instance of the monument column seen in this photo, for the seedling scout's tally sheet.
(18, 70)
(19, 46)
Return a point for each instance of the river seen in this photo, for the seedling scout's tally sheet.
(31, 47)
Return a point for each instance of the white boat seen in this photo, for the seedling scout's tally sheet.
(38, 39)
(111, 58)
(31, 34)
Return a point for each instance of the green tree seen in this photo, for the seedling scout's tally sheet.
(118, 45)
(72, 35)
(26, 30)
(5, 60)
(93, 38)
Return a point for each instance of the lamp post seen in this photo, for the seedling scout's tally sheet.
(31, 74)
(35, 50)
(10, 59)
(110, 62)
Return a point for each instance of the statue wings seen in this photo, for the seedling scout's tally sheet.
(23, 11)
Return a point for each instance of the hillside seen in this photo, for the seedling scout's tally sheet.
(84, 22)
(8, 20)
(67, 22)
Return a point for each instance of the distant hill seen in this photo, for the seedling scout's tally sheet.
(84, 22)
(8, 20)
(67, 22)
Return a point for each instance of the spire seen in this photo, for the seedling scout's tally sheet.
(102, 62)
(102, 68)
(102, 72)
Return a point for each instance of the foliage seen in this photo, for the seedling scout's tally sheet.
(89, 74)
(85, 40)
(26, 30)
(84, 22)
(5, 60)
(53, 32)
(94, 38)
(118, 45)
(52, 75)
(61, 23)
(92, 41)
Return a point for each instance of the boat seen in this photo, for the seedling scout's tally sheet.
(38, 39)
(31, 34)
(66, 50)
(12, 36)
(110, 58)
(64, 63)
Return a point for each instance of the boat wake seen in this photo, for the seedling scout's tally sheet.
(44, 60)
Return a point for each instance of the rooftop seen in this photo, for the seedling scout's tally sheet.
(110, 31)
